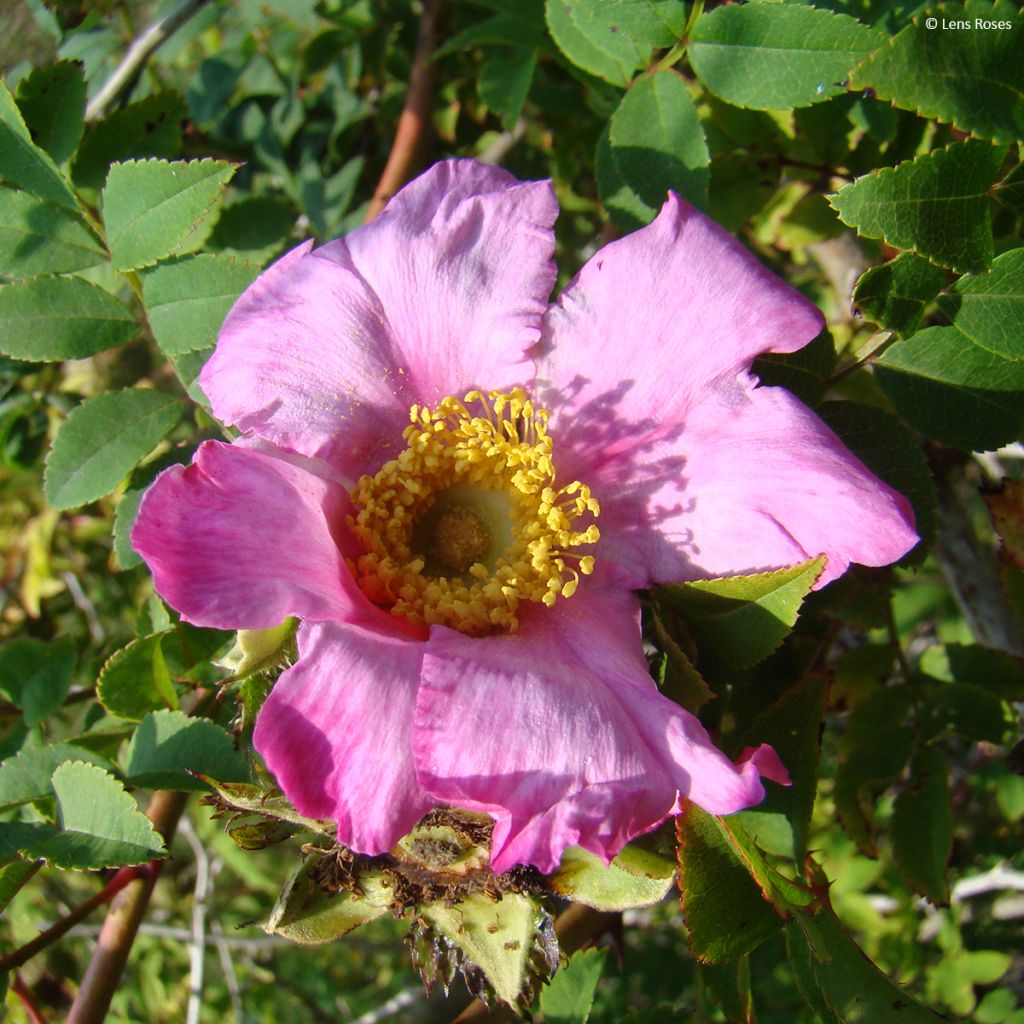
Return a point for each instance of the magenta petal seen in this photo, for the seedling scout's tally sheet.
(336, 731)
(559, 733)
(242, 539)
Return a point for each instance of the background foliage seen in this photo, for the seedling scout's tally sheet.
(871, 160)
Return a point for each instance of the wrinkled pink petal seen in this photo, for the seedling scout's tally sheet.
(560, 734)
(241, 540)
(445, 290)
(336, 731)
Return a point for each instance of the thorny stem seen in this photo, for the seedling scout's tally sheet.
(414, 123)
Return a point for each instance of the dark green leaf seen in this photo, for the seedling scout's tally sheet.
(657, 141)
(969, 711)
(154, 208)
(937, 205)
(626, 209)
(680, 681)
(953, 390)
(37, 237)
(168, 746)
(1010, 191)
(35, 675)
(1000, 673)
(12, 878)
(505, 81)
(102, 439)
(569, 996)
(804, 372)
(23, 163)
(972, 79)
(772, 57)
(742, 619)
(135, 680)
(186, 302)
(26, 777)
(51, 318)
(895, 294)
(922, 826)
(255, 226)
(101, 826)
(989, 308)
(52, 101)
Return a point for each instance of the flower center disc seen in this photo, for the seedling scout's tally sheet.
(467, 521)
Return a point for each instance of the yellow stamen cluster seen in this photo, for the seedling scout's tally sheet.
(502, 447)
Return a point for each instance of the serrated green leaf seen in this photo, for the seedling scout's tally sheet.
(151, 127)
(186, 302)
(569, 996)
(895, 294)
(153, 208)
(922, 826)
(999, 672)
(101, 826)
(37, 237)
(255, 226)
(657, 141)
(637, 877)
(26, 777)
(970, 711)
(23, 163)
(989, 308)
(953, 390)
(304, 913)
(680, 680)
(937, 205)
(1010, 191)
(135, 680)
(740, 620)
(243, 796)
(35, 675)
(972, 79)
(102, 439)
(505, 82)
(52, 101)
(891, 452)
(612, 38)
(168, 747)
(725, 910)
(771, 57)
(625, 208)
(804, 372)
(51, 318)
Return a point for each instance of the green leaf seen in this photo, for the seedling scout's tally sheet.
(998, 672)
(128, 507)
(23, 163)
(740, 620)
(612, 38)
(35, 675)
(101, 826)
(52, 101)
(26, 777)
(102, 439)
(971, 79)
(505, 82)
(625, 208)
(680, 681)
(772, 57)
(657, 141)
(937, 205)
(637, 877)
(989, 308)
(304, 913)
(135, 680)
(151, 127)
(255, 226)
(726, 912)
(153, 209)
(569, 996)
(804, 372)
(37, 237)
(895, 294)
(243, 796)
(835, 976)
(922, 826)
(12, 878)
(891, 452)
(51, 318)
(186, 302)
(168, 746)
(1010, 191)
(969, 711)
(496, 937)
(953, 390)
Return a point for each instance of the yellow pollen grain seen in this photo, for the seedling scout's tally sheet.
(501, 445)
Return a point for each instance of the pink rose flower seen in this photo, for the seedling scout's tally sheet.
(464, 573)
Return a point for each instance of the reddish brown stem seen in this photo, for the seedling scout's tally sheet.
(414, 123)
(27, 1000)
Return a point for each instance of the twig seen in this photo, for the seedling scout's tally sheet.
(395, 1005)
(197, 944)
(85, 606)
(227, 965)
(138, 53)
(503, 144)
(27, 1000)
(118, 932)
(415, 120)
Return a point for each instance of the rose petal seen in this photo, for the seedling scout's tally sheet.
(241, 540)
(560, 734)
(336, 731)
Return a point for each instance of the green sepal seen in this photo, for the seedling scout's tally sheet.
(637, 877)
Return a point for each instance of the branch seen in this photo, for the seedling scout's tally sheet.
(123, 919)
(414, 123)
(138, 53)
